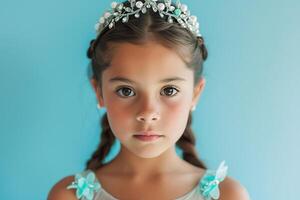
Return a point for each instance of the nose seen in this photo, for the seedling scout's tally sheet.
(148, 109)
(149, 112)
(148, 117)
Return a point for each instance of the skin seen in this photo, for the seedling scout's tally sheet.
(147, 104)
(143, 167)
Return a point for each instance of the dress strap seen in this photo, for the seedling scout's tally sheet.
(86, 184)
(210, 182)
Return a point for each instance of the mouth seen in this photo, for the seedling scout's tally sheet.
(147, 138)
(148, 134)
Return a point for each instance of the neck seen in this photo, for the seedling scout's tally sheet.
(128, 163)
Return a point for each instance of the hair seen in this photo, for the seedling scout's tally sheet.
(148, 26)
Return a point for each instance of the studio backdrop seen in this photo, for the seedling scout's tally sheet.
(248, 114)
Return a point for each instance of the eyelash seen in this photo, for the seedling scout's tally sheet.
(167, 87)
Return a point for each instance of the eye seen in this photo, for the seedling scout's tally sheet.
(170, 90)
(124, 90)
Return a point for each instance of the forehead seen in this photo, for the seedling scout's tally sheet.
(150, 62)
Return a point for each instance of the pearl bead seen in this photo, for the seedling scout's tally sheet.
(114, 4)
(137, 15)
(161, 6)
(107, 15)
(97, 25)
(101, 20)
(193, 18)
(139, 4)
(184, 7)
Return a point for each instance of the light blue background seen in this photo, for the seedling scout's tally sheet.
(248, 114)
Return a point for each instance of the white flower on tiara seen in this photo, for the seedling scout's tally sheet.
(118, 11)
(114, 5)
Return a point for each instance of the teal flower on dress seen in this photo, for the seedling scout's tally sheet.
(210, 182)
(85, 184)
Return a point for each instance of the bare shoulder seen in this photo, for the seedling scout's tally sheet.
(60, 192)
(231, 189)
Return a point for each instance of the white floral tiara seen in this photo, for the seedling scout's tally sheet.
(179, 12)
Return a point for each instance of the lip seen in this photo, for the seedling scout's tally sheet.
(147, 133)
(147, 138)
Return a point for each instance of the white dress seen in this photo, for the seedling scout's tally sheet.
(89, 188)
(192, 195)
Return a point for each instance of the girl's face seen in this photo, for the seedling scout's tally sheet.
(148, 87)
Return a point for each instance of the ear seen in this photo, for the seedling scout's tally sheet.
(98, 92)
(198, 89)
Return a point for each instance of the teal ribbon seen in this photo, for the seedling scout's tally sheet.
(85, 184)
(210, 182)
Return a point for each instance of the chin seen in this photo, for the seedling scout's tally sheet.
(148, 152)
(149, 155)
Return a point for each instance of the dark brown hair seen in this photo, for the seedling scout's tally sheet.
(149, 26)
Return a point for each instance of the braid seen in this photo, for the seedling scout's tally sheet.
(187, 144)
(203, 49)
(107, 140)
(90, 50)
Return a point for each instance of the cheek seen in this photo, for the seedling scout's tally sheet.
(114, 107)
(176, 109)
(118, 122)
(118, 117)
(176, 115)
(178, 106)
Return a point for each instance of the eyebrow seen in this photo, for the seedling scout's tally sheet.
(122, 79)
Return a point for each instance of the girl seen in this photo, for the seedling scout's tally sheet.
(147, 63)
